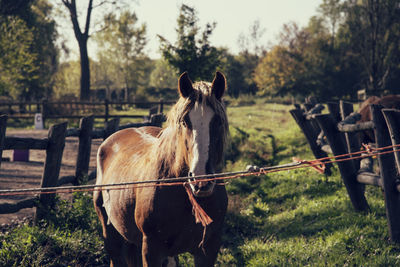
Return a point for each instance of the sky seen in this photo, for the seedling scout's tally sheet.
(233, 17)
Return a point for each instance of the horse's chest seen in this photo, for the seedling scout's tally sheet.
(169, 219)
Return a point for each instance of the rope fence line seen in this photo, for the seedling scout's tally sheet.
(318, 164)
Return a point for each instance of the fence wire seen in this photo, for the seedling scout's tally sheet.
(250, 171)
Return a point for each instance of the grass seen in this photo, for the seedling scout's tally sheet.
(288, 218)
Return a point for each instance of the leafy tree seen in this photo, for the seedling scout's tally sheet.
(291, 67)
(244, 64)
(67, 80)
(191, 53)
(332, 15)
(372, 27)
(44, 46)
(28, 28)
(16, 60)
(104, 74)
(121, 47)
(163, 75)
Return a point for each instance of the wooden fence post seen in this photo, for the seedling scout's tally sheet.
(334, 110)
(52, 165)
(352, 142)
(346, 168)
(111, 127)
(388, 173)
(3, 126)
(45, 111)
(107, 111)
(161, 106)
(85, 144)
(311, 135)
(392, 117)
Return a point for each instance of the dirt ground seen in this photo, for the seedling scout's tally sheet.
(14, 174)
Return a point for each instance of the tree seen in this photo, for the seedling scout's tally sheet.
(16, 61)
(44, 46)
(67, 79)
(28, 52)
(163, 75)
(372, 27)
(332, 13)
(191, 53)
(82, 35)
(290, 67)
(82, 38)
(121, 46)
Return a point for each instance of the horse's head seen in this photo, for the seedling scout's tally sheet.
(204, 128)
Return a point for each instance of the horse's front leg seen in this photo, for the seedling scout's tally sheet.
(207, 255)
(152, 249)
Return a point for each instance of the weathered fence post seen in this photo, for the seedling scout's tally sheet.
(334, 110)
(311, 135)
(392, 118)
(3, 126)
(85, 144)
(111, 127)
(52, 165)
(346, 168)
(45, 111)
(352, 142)
(106, 110)
(388, 173)
(161, 106)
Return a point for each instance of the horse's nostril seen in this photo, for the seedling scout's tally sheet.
(190, 174)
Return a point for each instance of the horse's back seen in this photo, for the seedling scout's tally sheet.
(121, 149)
(389, 101)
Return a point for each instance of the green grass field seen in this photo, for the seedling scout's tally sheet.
(288, 218)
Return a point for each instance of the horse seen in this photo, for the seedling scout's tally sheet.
(151, 225)
(388, 101)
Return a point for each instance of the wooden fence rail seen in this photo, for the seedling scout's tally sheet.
(76, 109)
(54, 146)
(340, 129)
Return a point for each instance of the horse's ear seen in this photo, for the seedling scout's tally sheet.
(185, 86)
(218, 85)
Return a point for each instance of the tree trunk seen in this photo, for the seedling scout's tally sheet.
(82, 38)
(85, 70)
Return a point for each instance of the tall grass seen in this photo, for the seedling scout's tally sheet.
(288, 218)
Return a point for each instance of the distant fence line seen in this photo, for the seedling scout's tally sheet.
(54, 146)
(77, 109)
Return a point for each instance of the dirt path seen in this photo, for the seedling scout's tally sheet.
(28, 174)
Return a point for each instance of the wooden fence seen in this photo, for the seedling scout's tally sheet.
(54, 146)
(337, 133)
(76, 110)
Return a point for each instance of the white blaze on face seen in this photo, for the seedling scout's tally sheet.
(200, 117)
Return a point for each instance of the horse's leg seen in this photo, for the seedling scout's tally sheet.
(152, 255)
(121, 252)
(132, 255)
(207, 255)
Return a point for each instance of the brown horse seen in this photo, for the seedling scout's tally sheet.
(150, 225)
(389, 101)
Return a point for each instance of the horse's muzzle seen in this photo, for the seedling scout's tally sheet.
(201, 188)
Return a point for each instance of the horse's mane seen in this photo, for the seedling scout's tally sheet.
(172, 154)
